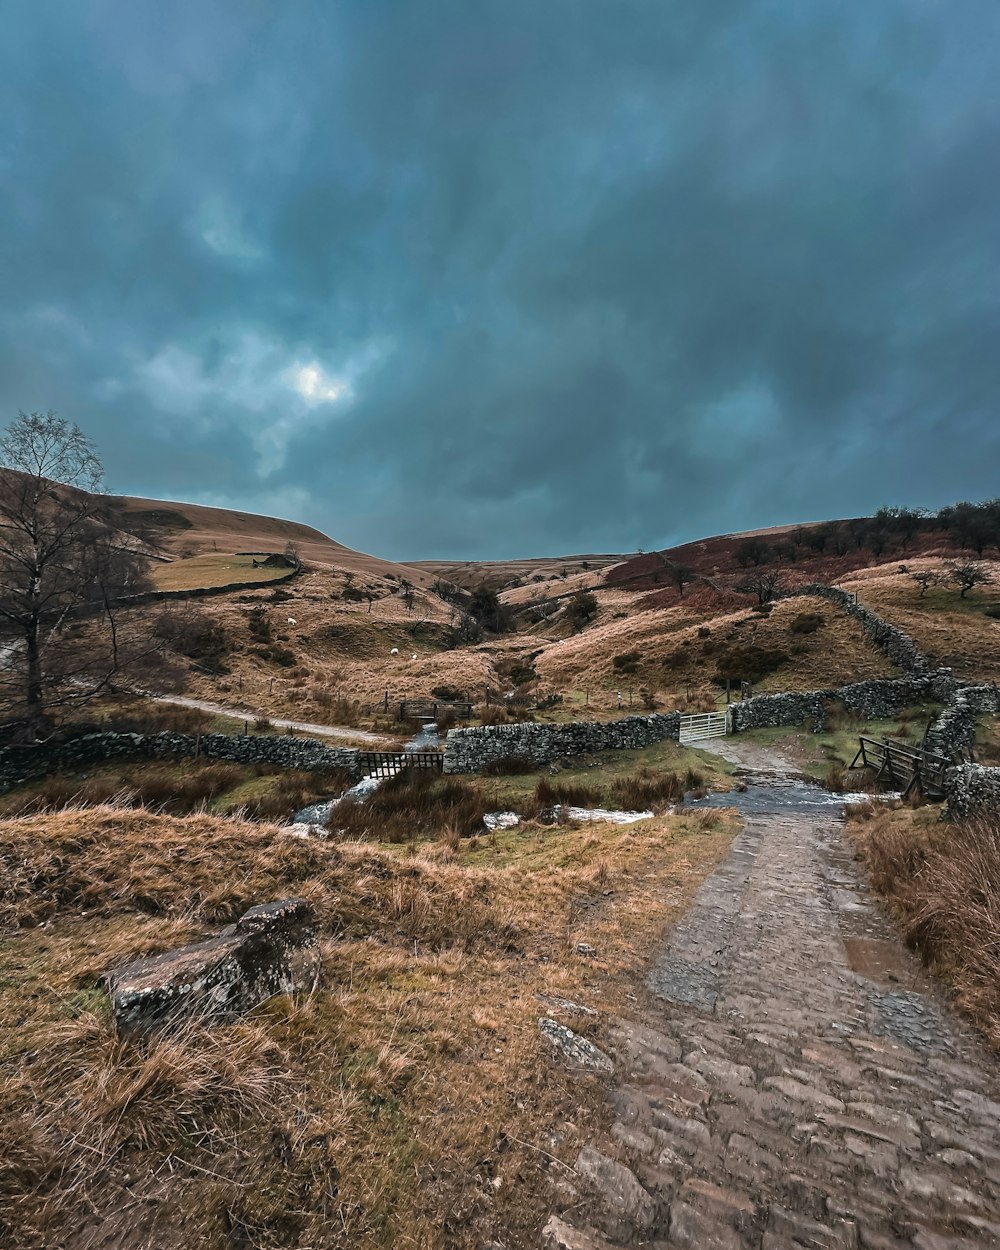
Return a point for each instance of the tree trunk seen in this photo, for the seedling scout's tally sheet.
(33, 695)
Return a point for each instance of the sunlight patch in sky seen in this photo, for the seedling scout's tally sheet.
(316, 386)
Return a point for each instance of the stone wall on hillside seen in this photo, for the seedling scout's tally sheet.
(27, 763)
(954, 731)
(470, 750)
(196, 592)
(876, 699)
(896, 645)
(972, 791)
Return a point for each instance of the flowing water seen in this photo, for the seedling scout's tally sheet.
(777, 794)
(318, 814)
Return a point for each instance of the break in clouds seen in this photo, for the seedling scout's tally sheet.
(482, 279)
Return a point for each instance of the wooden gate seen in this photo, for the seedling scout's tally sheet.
(704, 725)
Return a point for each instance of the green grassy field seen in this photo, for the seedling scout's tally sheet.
(215, 569)
(600, 771)
(817, 753)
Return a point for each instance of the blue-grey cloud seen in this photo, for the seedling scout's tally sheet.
(495, 278)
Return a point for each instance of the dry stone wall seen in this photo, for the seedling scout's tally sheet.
(876, 699)
(954, 731)
(972, 791)
(470, 750)
(895, 645)
(27, 763)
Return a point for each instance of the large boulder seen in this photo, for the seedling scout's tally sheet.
(270, 950)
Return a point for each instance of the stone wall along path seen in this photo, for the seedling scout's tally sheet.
(800, 1083)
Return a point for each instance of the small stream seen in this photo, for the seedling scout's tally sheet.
(318, 814)
(761, 793)
(766, 793)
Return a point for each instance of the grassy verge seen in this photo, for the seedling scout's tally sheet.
(410, 1102)
(259, 791)
(605, 774)
(941, 881)
(816, 754)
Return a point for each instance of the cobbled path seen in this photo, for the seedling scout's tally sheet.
(800, 1084)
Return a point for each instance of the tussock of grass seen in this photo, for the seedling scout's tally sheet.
(571, 794)
(649, 790)
(259, 791)
(366, 1114)
(942, 881)
(414, 804)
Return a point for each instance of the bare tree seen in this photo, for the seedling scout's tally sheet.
(925, 579)
(63, 565)
(682, 575)
(764, 584)
(969, 575)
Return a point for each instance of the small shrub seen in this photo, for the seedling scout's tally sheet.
(414, 804)
(259, 623)
(807, 623)
(993, 611)
(627, 662)
(642, 791)
(450, 694)
(547, 794)
(446, 719)
(704, 631)
(835, 780)
(281, 656)
(548, 701)
(747, 663)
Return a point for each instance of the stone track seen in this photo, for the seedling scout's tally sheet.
(800, 1083)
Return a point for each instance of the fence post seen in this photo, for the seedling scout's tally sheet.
(402, 709)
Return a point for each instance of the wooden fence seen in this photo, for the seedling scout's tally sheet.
(913, 770)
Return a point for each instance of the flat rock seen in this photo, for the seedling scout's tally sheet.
(578, 1050)
(270, 950)
(617, 1187)
(558, 1235)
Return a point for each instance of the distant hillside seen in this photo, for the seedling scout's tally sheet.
(501, 573)
(193, 529)
(821, 551)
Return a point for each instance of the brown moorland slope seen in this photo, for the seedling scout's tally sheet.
(197, 529)
(790, 546)
(499, 574)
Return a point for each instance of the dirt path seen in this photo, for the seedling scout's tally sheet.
(306, 727)
(798, 1083)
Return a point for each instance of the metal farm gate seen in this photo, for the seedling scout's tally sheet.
(704, 725)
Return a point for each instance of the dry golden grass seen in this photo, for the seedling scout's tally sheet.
(341, 651)
(411, 1102)
(942, 883)
(952, 631)
(194, 528)
(210, 570)
(678, 664)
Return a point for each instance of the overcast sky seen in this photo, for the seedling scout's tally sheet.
(460, 278)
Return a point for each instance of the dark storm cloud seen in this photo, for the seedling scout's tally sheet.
(497, 278)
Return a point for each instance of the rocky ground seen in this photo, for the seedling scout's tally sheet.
(799, 1082)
